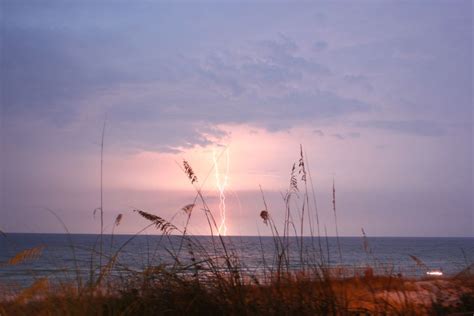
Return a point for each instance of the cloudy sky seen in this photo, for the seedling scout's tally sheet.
(378, 93)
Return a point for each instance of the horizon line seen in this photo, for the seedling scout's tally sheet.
(180, 235)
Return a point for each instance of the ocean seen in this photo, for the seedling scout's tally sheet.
(62, 255)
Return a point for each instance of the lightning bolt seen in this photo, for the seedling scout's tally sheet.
(222, 181)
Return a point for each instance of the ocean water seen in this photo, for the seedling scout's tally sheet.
(63, 255)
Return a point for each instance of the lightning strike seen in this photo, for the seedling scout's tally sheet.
(222, 181)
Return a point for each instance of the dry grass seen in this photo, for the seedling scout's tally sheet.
(160, 292)
(25, 255)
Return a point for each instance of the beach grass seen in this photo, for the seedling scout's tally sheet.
(211, 279)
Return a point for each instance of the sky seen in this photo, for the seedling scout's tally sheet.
(378, 93)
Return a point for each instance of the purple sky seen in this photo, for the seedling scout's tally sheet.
(378, 93)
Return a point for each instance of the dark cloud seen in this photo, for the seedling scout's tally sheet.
(346, 135)
(353, 135)
(318, 132)
(50, 73)
(273, 112)
(53, 75)
(279, 62)
(320, 46)
(47, 72)
(164, 136)
(315, 104)
(38, 73)
(415, 127)
(359, 80)
(285, 52)
(283, 44)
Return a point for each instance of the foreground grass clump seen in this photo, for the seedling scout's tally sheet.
(297, 294)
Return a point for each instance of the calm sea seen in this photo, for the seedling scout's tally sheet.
(63, 254)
